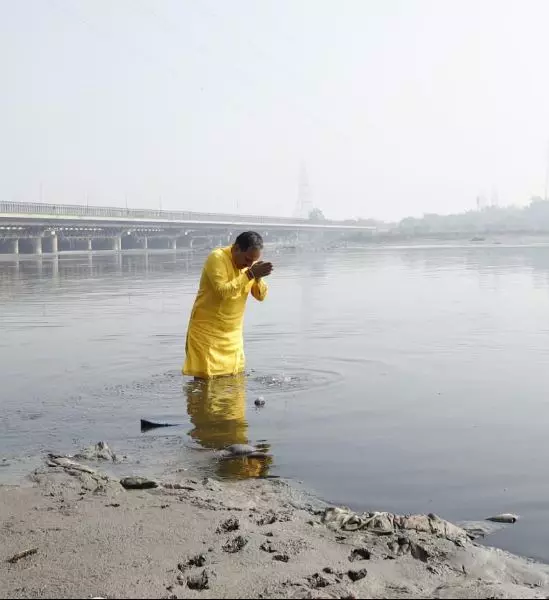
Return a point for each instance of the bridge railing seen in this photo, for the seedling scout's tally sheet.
(74, 210)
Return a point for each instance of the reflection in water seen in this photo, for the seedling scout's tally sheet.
(217, 410)
(79, 266)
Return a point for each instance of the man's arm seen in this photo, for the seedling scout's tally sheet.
(259, 290)
(224, 286)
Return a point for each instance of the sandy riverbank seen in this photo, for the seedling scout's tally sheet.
(257, 538)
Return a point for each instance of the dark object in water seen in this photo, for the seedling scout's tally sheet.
(240, 450)
(260, 401)
(504, 518)
(146, 425)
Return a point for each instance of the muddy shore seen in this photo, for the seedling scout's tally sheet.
(76, 532)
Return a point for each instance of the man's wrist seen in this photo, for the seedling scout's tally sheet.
(250, 274)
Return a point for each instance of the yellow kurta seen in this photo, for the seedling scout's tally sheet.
(214, 337)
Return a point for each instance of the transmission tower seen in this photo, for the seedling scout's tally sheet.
(303, 205)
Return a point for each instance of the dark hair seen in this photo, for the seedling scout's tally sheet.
(249, 239)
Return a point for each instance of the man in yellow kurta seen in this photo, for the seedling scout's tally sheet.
(214, 337)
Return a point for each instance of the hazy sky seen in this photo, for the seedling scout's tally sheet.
(396, 107)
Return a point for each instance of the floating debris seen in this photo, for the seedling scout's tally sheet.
(504, 518)
(239, 450)
(479, 529)
(146, 425)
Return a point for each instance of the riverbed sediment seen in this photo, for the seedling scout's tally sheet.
(74, 531)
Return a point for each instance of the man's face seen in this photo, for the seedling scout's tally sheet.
(246, 258)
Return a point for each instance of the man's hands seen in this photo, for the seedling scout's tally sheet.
(260, 269)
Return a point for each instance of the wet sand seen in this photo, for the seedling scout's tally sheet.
(190, 537)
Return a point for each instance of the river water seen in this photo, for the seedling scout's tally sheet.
(402, 379)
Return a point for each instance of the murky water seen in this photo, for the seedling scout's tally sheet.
(400, 379)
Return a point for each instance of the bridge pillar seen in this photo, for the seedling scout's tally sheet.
(36, 245)
(89, 244)
(145, 243)
(173, 244)
(54, 245)
(117, 243)
(14, 246)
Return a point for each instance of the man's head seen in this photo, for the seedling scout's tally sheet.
(247, 249)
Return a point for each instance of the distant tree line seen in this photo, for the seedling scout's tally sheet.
(532, 218)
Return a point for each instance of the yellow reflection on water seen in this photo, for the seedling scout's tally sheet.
(217, 411)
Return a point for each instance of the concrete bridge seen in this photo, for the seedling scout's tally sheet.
(34, 228)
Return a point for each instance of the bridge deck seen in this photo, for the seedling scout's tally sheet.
(20, 213)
